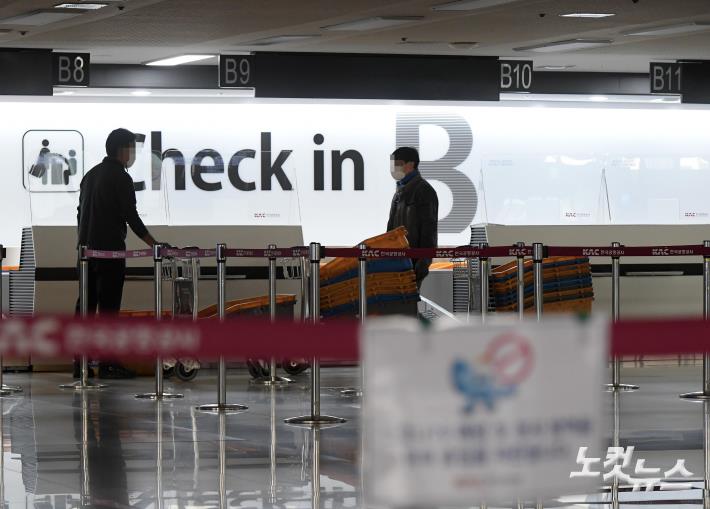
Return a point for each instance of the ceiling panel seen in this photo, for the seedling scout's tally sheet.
(148, 29)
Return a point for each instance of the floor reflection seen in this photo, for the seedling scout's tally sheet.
(108, 450)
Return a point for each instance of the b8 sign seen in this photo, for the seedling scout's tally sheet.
(71, 69)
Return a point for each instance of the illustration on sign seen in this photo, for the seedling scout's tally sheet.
(506, 363)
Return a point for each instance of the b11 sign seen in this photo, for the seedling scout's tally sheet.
(478, 414)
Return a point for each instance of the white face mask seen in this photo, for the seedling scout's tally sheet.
(397, 171)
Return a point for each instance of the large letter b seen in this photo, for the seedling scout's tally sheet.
(465, 198)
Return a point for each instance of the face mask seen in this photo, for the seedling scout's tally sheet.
(397, 171)
(131, 158)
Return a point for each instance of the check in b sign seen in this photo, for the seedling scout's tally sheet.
(486, 413)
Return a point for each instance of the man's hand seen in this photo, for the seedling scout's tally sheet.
(148, 239)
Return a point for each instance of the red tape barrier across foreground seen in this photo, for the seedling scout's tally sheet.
(62, 336)
(446, 252)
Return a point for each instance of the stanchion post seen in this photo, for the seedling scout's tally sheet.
(83, 383)
(538, 281)
(362, 302)
(520, 268)
(315, 418)
(221, 405)
(3, 391)
(272, 378)
(484, 266)
(704, 395)
(616, 315)
(158, 305)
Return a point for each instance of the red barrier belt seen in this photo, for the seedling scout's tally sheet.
(424, 252)
(292, 252)
(59, 336)
(112, 255)
(52, 336)
(629, 251)
(445, 252)
(189, 253)
(660, 337)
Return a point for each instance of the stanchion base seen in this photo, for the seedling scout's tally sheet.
(216, 408)
(78, 386)
(269, 381)
(11, 388)
(316, 421)
(155, 397)
(621, 388)
(696, 396)
(351, 393)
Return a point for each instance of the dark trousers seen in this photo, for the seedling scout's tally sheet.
(105, 286)
(105, 289)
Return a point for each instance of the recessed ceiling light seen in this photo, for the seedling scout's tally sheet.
(179, 60)
(588, 15)
(684, 28)
(39, 18)
(407, 42)
(598, 98)
(570, 45)
(278, 39)
(140, 93)
(463, 45)
(469, 5)
(556, 67)
(85, 7)
(373, 23)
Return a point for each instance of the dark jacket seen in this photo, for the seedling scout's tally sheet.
(107, 202)
(416, 207)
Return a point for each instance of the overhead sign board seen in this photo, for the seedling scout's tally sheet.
(71, 69)
(236, 71)
(516, 75)
(666, 77)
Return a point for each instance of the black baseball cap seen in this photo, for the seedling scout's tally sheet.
(406, 154)
(118, 139)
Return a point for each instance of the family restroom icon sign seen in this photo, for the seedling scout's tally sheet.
(53, 161)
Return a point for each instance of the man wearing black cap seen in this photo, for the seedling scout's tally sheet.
(414, 206)
(107, 202)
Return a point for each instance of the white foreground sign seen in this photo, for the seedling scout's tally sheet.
(480, 413)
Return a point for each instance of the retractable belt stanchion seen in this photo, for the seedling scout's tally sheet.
(83, 383)
(538, 256)
(221, 405)
(158, 296)
(315, 418)
(5, 390)
(538, 281)
(272, 378)
(705, 393)
(484, 268)
(616, 314)
(362, 302)
(520, 268)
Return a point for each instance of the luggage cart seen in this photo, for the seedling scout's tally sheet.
(184, 276)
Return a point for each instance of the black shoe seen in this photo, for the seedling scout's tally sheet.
(115, 372)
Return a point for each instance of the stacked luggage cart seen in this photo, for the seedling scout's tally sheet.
(391, 283)
(567, 284)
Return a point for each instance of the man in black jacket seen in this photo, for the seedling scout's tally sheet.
(414, 206)
(107, 202)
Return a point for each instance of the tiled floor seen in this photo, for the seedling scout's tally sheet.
(147, 454)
